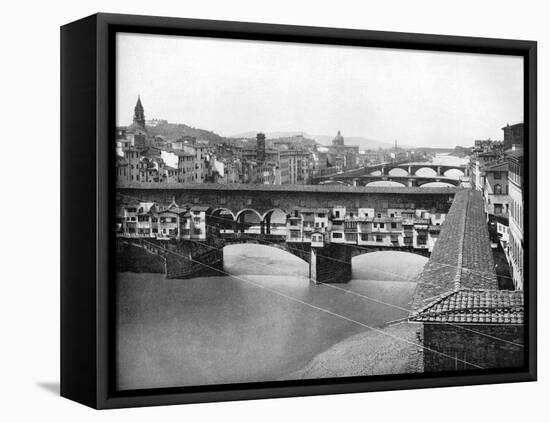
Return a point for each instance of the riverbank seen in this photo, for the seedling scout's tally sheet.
(368, 353)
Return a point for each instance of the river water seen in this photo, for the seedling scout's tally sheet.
(262, 323)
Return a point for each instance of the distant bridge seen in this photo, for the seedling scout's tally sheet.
(406, 181)
(383, 170)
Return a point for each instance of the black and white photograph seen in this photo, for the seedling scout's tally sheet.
(292, 211)
(289, 211)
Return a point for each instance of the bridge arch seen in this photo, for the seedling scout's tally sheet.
(454, 173)
(249, 220)
(398, 171)
(274, 221)
(221, 218)
(220, 211)
(264, 259)
(403, 266)
(386, 183)
(425, 171)
(438, 184)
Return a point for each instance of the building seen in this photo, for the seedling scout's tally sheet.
(186, 166)
(515, 235)
(457, 324)
(477, 164)
(169, 222)
(341, 155)
(260, 147)
(268, 173)
(128, 165)
(513, 136)
(156, 122)
(495, 189)
(294, 166)
(200, 151)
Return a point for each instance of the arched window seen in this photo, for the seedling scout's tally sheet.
(498, 189)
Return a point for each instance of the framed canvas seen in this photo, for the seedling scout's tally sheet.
(256, 211)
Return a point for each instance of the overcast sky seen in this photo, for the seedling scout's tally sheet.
(229, 87)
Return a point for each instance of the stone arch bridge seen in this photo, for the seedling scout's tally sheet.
(185, 259)
(378, 172)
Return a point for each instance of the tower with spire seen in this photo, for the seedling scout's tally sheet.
(139, 114)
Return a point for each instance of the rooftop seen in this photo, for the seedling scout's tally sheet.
(290, 188)
(462, 256)
(474, 306)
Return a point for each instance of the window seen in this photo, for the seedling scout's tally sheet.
(394, 225)
(498, 208)
(497, 175)
(336, 235)
(421, 239)
(337, 213)
(382, 225)
(295, 234)
(379, 238)
(408, 240)
(498, 189)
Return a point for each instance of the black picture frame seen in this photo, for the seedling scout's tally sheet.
(87, 122)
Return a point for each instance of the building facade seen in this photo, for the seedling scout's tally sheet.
(515, 189)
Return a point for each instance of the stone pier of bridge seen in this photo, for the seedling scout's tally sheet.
(187, 259)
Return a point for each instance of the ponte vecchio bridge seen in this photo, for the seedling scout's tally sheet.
(328, 262)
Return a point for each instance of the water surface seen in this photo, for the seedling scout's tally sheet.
(263, 322)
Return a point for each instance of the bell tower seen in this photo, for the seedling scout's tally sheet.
(139, 114)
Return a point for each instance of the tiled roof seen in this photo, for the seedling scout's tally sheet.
(474, 306)
(462, 256)
(199, 208)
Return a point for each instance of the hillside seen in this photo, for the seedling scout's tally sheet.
(363, 143)
(173, 131)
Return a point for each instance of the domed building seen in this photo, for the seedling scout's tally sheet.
(338, 139)
(341, 155)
